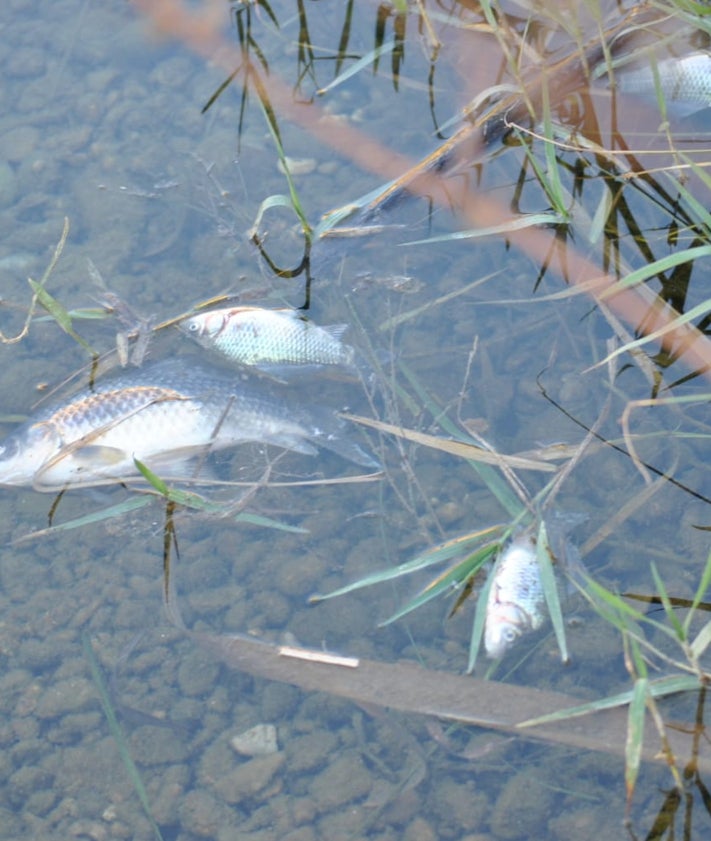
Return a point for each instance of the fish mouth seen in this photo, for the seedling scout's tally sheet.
(503, 628)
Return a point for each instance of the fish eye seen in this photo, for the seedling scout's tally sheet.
(193, 327)
(510, 634)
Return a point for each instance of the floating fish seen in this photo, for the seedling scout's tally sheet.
(685, 83)
(516, 602)
(264, 337)
(163, 414)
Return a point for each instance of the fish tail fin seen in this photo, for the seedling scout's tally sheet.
(348, 449)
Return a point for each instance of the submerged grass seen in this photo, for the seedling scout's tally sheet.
(117, 732)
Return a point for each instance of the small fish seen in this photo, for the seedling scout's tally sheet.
(684, 82)
(516, 602)
(164, 414)
(263, 337)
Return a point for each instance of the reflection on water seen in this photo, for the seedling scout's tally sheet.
(102, 124)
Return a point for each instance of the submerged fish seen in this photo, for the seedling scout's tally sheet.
(163, 414)
(516, 601)
(259, 337)
(685, 83)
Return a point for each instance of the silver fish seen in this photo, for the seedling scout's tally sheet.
(685, 83)
(258, 336)
(163, 414)
(516, 602)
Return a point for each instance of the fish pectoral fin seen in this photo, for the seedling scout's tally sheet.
(184, 463)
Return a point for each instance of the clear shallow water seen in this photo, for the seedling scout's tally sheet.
(103, 126)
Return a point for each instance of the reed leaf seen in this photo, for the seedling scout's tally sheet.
(660, 688)
(367, 60)
(433, 556)
(550, 589)
(635, 735)
(59, 314)
(118, 734)
(454, 576)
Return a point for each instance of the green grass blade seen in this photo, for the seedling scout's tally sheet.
(187, 499)
(517, 223)
(433, 556)
(657, 267)
(59, 314)
(657, 688)
(479, 621)
(704, 584)
(445, 582)
(270, 119)
(118, 510)
(701, 641)
(370, 58)
(635, 735)
(118, 734)
(268, 523)
(550, 589)
(277, 200)
(666, 603)
(496, 485)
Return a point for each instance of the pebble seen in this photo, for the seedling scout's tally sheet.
(297, 166)
(19, 143)
(8, 184)
(343, 781)
(66, 696)
(523, 808)
(249, 778)
(260, 740)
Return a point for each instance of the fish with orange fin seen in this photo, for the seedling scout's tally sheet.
(166, 414)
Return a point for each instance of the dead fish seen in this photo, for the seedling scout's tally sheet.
(163, 414)
(264, 337)
(685, 83)
(516, 602)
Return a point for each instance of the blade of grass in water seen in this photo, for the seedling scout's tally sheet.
(479, 622)
(270, 119)
(666, 603)
(463, 449)
(515, 224)
(118, 735)
(550, 589)
(441, 553)
(59, 314)
(357, 66)
(635, 723)
(389, 323)
(125, 507)
(704, 584)
(661, 688)
(189, 499)
(496, 485)
(456, 575)
(11, 340)
(657, 267)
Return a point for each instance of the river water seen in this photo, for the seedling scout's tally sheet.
(102, 124)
